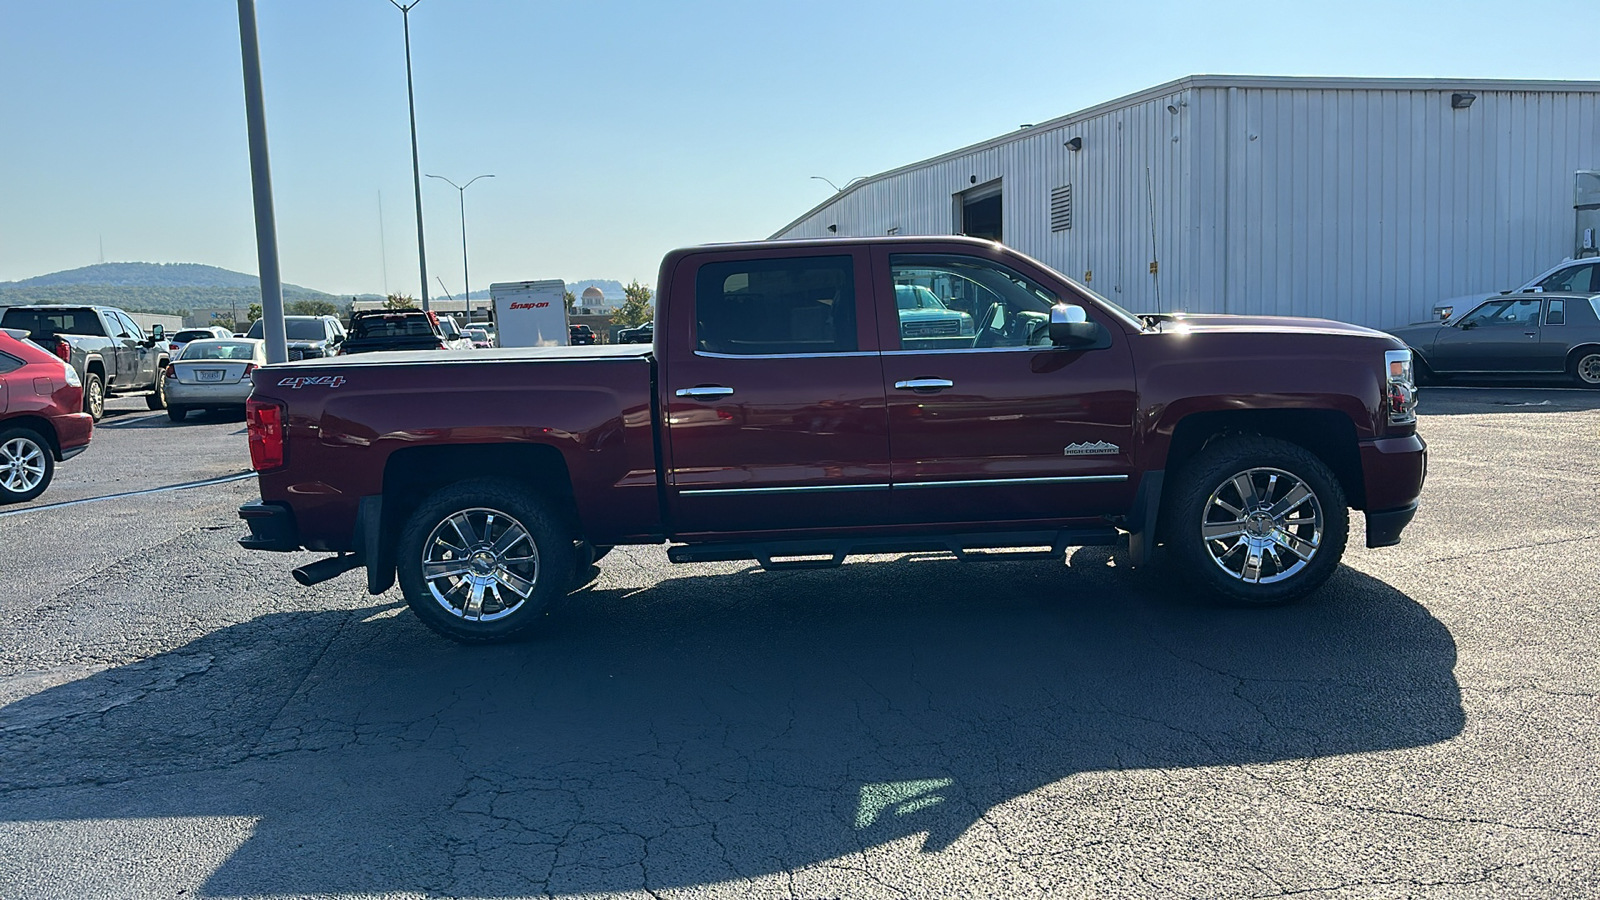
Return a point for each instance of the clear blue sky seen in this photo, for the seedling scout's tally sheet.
(616, 130)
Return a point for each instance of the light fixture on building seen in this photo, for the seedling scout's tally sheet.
(1461, 100)
(1075, 144)
(833, 229)
(893, 230)
(1171, 108)
(1025, 125)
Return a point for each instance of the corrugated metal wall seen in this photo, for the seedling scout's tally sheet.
(1363, 203)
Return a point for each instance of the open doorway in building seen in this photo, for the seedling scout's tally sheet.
(978, 212)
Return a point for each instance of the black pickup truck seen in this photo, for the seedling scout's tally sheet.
(109, 350)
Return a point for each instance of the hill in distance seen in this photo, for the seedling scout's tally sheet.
(147, 287)
(141, 274)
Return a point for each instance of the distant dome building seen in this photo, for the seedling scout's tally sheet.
(593, 296)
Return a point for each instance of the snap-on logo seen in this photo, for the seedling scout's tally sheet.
(539, 305)
(331, 381)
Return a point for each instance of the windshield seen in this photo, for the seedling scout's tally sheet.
(215, 349)
(477, 334)
(298, 329)
(394, 325)
(915, 296)
(54, 321)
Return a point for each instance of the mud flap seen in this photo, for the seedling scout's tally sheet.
(1142, 519)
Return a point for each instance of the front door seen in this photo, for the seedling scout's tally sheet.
(989, 423)
(772, 393)
(1499, 336)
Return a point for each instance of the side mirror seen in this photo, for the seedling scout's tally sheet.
(1070, 326)
(1468, 325)
(157, 333)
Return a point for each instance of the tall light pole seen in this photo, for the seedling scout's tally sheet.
(261, 188)
(461, 194)
(416, 170)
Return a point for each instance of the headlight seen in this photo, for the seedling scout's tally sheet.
(1400, 389)
(72, 375)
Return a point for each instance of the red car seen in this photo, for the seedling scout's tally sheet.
(40, 420)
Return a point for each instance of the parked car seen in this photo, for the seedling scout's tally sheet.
(41, 417)
(480, 339)
(454, 337)
(1577, 276)
(213, 374)
(1519, 334)
(581, 335)
(306, 337)
(177, 342)
(393, 329)
(638, 334)
(109, 350)
(923, 315)
(776, 419)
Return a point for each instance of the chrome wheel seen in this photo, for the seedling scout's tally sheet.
(1262, 525)
(480, 564)
(94, 397)
(22, 465)
(1588, 369)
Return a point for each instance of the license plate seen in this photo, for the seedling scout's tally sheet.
(208, 374)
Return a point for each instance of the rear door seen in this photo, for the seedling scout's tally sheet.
(772, 393)
(989, 423)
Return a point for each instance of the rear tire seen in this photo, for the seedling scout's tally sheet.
(479, 561)
(26, 465)
(177, 413)
(1586, 368)
(1257, 521)
(94, 395)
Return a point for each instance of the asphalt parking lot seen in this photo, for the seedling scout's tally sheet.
(179, 718)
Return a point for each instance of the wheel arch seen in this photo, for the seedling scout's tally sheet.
(1328, 434)
(38, 424)
(1576, 352)
(412, 474)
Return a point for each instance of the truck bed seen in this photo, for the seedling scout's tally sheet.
(358, 425)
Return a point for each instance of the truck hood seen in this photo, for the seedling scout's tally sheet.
(1186, 323)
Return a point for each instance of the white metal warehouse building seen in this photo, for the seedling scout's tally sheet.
(1365, 200)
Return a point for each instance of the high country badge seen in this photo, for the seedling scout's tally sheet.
(1098, 448)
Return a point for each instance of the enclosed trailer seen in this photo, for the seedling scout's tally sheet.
(531, 313)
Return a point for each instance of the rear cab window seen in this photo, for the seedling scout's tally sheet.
(777, 307)
(83, 322)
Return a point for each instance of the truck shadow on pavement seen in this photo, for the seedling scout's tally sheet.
(713, 727)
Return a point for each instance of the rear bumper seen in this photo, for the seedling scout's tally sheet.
(180, 394)
(272, 527)
(73, 433)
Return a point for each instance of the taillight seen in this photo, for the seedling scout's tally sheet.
(248, 368)
(264, 424)
(172, 371)
(63, 350)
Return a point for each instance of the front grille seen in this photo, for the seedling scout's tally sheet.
(930, 328)
(296, 355)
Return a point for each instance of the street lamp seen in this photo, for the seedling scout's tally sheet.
(461, 194)
(836, 188)
(416, 177)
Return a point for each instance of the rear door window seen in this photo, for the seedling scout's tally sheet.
(798, 305)
(1557, 313)
(9, 364)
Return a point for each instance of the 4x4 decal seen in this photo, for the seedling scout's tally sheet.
(331, 381)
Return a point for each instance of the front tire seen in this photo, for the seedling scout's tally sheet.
(26, 465)
(158, 396)
(481, 560)
(1258, 521)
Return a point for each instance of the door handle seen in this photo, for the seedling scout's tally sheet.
(1531, 333)
(705, 392)
(924, 384)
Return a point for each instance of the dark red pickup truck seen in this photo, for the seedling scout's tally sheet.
(808, 400)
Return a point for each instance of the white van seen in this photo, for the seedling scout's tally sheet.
(530, 313)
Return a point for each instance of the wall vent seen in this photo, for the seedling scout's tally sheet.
(1061, 208)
